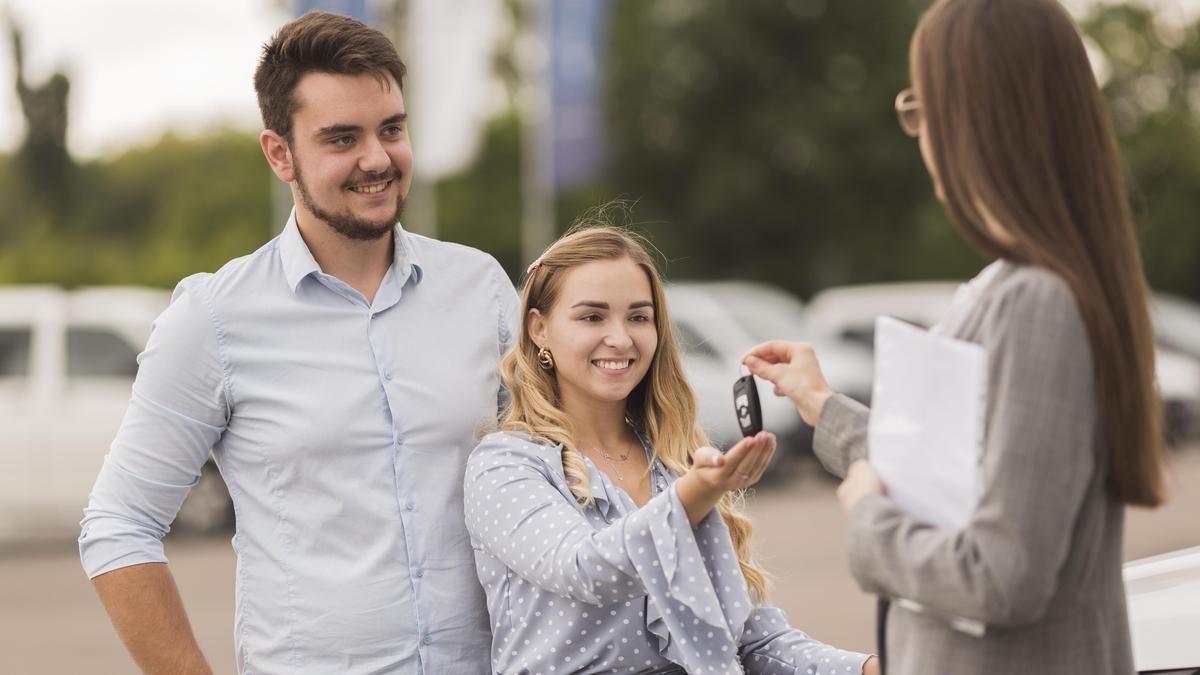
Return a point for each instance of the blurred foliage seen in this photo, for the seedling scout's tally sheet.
(758, 137)
(761, 139)
(149, 216)
(1152, 68)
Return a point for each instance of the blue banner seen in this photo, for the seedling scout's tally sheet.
(578, 36)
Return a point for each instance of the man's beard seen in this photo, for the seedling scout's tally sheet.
(345, 224)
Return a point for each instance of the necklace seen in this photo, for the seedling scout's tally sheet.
(613, 462)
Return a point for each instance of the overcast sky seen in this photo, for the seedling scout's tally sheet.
(141, 67)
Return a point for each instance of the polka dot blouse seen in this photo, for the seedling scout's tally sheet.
(615, 588)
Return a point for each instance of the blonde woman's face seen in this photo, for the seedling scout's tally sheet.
(601, 331)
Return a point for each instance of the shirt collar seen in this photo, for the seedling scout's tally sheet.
(298, 260)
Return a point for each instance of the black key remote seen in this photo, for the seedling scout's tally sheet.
(745, 404)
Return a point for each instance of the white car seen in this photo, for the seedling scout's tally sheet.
(770, 313)
(1163, 594)
(1177, 330)
(67, 362)
(848, 314)
(711, 343)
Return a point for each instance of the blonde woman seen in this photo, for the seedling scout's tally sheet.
(605, 528)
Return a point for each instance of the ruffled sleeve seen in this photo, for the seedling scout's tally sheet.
(772, 647)
(519, 509)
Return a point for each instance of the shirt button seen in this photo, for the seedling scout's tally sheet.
(427, 640)
(387, 375)
(419, 573)
(411, 506)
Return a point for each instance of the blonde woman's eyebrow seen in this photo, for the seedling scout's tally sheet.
(604, 305)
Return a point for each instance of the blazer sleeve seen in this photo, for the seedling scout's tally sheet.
(1040, 457)
(841, 434)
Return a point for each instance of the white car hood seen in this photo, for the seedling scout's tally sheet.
(1164, 610)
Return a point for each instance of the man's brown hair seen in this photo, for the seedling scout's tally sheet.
(322, 43)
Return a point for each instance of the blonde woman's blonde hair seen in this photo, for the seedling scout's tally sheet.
(662, 406)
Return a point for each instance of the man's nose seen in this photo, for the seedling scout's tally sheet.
(374, 158)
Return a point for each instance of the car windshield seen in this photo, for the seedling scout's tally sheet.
(765, 313)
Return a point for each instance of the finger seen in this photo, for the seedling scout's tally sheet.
(750, 467)
(764, 369)
(775, 351)
(708, 457)
(769, 447)
(737, 455)
(762, 456)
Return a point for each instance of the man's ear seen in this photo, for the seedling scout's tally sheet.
(535, 323)
(279, 155)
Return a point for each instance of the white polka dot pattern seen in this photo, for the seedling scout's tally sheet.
(614, 588)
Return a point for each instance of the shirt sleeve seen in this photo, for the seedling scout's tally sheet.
(176, 415)
(1040, 458)
(515, 512)
(772, 647)
(509, 323)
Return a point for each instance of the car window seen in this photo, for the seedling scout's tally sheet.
(691, 343)
(14, 351)
(97, 352)
(765, 315)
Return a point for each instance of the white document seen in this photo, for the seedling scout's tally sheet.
(928, 411)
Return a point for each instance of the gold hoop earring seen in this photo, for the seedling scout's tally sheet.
(545, 359)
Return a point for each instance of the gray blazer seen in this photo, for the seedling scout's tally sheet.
(1040, 560)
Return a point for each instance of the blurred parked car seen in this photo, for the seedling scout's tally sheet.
(770, 313)
(1163, 594)
(848, 314)
(711, 342)
(67, 363)
(1177, 330)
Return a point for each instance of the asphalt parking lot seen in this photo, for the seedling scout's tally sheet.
(51, 621)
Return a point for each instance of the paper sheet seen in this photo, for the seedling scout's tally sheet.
(928, 411)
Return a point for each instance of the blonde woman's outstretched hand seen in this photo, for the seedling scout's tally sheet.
(793, 368)
(713, 474)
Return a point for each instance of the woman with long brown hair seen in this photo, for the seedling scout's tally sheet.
(1014, 133)
(607, 531)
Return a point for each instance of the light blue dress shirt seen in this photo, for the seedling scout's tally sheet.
(342, 429)
(614, 588)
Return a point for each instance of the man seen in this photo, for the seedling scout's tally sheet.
(338, 376)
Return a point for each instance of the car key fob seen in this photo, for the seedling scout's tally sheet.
(745, 403)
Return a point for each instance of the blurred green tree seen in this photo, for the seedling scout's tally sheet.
(148, 216)
(1149, 65)
(761, 139)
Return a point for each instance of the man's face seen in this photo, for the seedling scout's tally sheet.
(350, 153)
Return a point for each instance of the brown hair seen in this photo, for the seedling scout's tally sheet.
(1018, 129)
(324, 43)
(662, 406)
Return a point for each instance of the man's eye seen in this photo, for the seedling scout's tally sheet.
(342, 140)
(393, 131)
